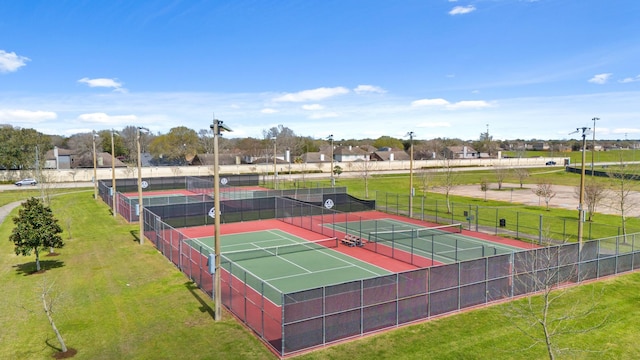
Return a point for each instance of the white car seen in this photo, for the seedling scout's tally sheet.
(29, 181)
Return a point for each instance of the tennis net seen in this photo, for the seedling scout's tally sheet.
(261, 252)
(428, 233)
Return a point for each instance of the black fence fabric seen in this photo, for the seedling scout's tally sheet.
(298, 321)
(317, 317)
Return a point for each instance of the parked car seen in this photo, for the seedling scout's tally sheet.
(29, 181)
(550, 163)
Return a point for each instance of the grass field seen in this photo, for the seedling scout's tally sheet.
(120, 300)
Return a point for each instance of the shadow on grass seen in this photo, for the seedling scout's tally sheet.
(30, 267)
(204, 307)
(71, 352)
(136, 236)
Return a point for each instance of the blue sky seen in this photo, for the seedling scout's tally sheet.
(355, 69)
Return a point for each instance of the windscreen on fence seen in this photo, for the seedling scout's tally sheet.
(300, 320)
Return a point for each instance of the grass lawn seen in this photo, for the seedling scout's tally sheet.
(117, 299)
(120, 300)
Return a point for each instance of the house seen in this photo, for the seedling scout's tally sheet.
(64, 159)
(315, 157)
(540, 146)
(208, 159)
(460, 152)
(58, 159)
(349, 153)
(388, 154)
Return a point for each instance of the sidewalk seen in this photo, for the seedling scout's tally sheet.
(6, 210)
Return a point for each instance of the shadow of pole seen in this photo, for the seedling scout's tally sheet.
(194, 290)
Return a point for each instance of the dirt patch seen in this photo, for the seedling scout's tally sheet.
(565, 198)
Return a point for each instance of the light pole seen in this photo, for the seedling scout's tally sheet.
(113, 176)
(410, 134)
(140, 205)
(584, 131)
(95, 171)
(217, 127)
(593, 143)
(275, 169)
(333, 181)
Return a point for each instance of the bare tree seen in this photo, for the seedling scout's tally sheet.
(484, 187)
(48, 302)
(544, 190)
(365, 168)
(501, 174)
(448, 180)
(542, 274)
(425, 178)
(623, 185)
(594, 193)
(522, 174)
(205, 140)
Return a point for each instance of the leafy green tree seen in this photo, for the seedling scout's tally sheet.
(118, 143)
(18, 150)
(176, 145)
(388, 141)
(36, 229)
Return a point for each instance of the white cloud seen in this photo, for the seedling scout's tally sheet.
(430, 102)
(324, 115)
(268, 111)
(103, 82)
(630, 79)
(312, 95)
(459, 10)
(626, 131)
(465, 104)
(312, 107)
(434, 124)
(362, 89)
(469, 104)
(26, 116)
(10, 62)
(102, 118)
(600, 78)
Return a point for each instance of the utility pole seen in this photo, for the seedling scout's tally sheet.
(217, 127)
(411, 192)
(584, 131)
(593, 143)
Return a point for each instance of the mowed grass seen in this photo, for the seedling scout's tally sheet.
(116, 299)
(120, 300)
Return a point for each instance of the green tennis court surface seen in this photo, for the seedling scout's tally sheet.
(444, 244)
(286, 262)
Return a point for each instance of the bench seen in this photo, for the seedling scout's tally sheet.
(352, 240)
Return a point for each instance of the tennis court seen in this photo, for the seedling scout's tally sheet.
(167, 197)
(286, 262)
(445, 244)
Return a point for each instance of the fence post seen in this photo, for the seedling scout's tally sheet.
(540, 231)
(496, 222)
(477, 217)
(517, 224)
(452, 211)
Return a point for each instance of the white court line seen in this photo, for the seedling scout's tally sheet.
(296, 275)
